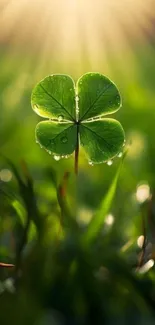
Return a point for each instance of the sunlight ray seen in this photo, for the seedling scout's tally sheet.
(83, 34)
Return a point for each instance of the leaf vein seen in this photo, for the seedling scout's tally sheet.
(63, 131)
(96, 99)
(97, 135)
(56, 101)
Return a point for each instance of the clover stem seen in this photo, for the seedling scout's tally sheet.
(76, 165)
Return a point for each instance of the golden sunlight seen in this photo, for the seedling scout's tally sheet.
(87, 29)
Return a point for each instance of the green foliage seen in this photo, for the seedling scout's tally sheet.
(61, 281)
(97, 221)
(69, 274)
(78, 112)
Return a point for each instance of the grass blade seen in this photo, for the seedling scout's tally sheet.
(96, 223)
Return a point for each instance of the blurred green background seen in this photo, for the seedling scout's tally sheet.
(38, 39)
(115, 38)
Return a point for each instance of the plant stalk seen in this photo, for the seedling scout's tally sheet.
(76, 165)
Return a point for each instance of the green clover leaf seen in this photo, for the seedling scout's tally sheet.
(77, 113)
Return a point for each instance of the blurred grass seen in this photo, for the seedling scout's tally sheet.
(59, 281)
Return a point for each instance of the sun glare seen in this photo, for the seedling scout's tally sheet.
(76, 30)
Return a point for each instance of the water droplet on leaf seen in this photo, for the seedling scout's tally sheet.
(120, 154)
(110, 162)
(51, 142)
(60, 118)
(64, 139)
(57, 157)
(90, 163)
(35, 106)
(118, 99)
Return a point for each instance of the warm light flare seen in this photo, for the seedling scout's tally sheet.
(5, 175)
(81, 30)
(143, 193)
(146, 267)
(109, 219)
(140, 241)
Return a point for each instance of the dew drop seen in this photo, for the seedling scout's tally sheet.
(90, 163)
(37, 141)
(64, 139)
(51, 142)
(41, 146)
(77, 98)
(57, 157)
(60, 118)
(120, 154)
(110, 162)
(35, 106)
(49, 152)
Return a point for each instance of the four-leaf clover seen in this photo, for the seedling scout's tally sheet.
(77, 113)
